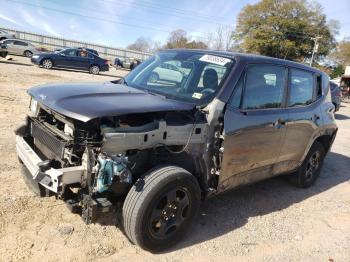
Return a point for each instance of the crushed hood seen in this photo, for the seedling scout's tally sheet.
(86, 101)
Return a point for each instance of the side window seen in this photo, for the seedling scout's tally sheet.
(70, 52)
(20, 43)
(264, 87)
(301, 88)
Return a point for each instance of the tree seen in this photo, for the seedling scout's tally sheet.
(285, 29)
(179, 39)
(141, 44)
(342, 53)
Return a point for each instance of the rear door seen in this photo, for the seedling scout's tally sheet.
(254, 126)
(19, 47)
(305, 91)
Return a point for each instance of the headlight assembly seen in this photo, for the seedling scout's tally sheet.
(33, 105)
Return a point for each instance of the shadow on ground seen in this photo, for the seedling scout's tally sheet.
(13, 62)
(86, 72)
(229, 211)
(226, 212)
(341, 117)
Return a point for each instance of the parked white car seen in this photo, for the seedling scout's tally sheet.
(20, 47)
(5, 35)
(166, 72)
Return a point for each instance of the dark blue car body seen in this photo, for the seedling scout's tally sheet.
(70, 58)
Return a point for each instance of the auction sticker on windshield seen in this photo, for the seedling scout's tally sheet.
(218, 60)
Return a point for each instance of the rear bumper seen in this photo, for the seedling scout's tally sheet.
(52, 179)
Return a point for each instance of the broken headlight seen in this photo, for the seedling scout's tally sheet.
(33, 105)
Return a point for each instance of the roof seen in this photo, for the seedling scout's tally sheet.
(251, 57)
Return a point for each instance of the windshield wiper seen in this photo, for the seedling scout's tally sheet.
(120, 81)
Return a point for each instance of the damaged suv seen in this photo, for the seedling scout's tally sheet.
(150, 149)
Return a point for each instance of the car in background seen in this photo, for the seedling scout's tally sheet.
(5, 35)
(336, 95)
(73, 58)
(20, 47)
(130, 63)
(80, 48)
(167, 72)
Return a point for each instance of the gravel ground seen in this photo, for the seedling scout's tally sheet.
(268, 221)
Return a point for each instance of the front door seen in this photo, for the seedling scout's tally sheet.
(64, 58)
(254, 126)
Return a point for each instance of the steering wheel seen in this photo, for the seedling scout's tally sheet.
(207, 91)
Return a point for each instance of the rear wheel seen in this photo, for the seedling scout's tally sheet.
(47, 63)
(160, 207)
(95, 70)
(28, 53)
(311, 167)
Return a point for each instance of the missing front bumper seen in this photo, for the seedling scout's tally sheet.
(52, 179)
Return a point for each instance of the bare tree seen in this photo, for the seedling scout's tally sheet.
(142, 44)
(222, 38)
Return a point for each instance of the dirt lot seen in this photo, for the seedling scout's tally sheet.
(269, 221)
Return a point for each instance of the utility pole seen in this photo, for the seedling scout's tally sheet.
(314, 50)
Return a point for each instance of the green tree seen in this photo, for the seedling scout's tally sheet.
(284, 29)
(179, 39)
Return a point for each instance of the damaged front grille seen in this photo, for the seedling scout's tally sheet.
(46, 141)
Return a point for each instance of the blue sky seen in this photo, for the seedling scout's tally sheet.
(119, 22)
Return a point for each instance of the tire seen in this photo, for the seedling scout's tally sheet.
(311, 167)
(47, 63)
(28, 53)
(160, 207)
(94, 69)
(154, 77)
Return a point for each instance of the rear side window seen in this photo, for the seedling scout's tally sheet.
(20, 43)
(301, 88)
(264, 87)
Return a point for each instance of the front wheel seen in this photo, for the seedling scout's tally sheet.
(160, 207)
(95, 70)
(47, 63)
(311, 167)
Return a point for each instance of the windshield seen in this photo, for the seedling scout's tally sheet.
(188, 76)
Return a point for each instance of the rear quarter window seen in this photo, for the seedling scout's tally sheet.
(301, 88)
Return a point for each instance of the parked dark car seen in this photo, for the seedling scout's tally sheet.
(153, 148)
(72, 58)
(336, 95)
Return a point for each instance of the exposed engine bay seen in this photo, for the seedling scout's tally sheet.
(93, 165)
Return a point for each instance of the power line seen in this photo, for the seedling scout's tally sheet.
(155, 9)
(170, 9)
(90, 17)
(165, 28)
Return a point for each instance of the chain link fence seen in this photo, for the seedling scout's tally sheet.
(51, 43)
